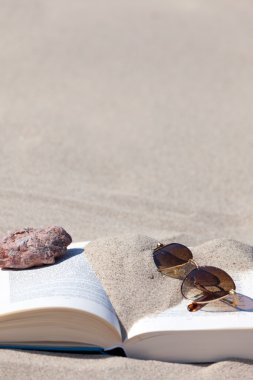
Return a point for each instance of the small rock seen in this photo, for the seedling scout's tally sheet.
(32, 247)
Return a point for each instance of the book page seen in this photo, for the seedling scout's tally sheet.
(69, 283)
(216, 316)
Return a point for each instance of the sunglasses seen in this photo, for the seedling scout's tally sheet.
(201, 284)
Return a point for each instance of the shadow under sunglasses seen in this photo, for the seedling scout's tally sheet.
(201, 284)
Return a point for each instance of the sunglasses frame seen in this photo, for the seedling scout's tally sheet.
(196, 305)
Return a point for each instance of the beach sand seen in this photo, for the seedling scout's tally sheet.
(120, 118)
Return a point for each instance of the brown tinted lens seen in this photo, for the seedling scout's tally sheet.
(171, 255)
(207, 284)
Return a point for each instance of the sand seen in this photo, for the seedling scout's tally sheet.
(127, 272)
(123, 117)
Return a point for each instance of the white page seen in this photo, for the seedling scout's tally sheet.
(178, 318)
(69, 283)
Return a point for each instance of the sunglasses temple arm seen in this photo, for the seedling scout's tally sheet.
(194, 306)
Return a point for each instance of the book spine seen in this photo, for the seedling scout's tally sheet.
(77, 349)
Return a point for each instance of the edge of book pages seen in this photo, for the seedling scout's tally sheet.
(53, 347)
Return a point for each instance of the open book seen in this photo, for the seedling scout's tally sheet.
(63, 307)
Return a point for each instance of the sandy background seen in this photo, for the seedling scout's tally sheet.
(126, 117)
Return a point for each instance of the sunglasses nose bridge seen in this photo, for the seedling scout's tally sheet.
(193, 262)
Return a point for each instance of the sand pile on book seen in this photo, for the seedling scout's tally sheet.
(125, 266)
